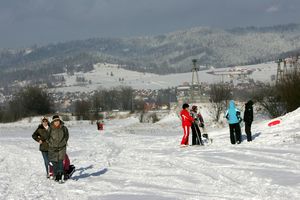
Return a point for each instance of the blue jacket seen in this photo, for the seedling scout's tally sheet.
(233, 114)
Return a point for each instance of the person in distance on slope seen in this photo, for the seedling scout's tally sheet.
(248, 119)
(58, 138)
(198, 121)
(233, 116)
(187, 121)
(40, 135)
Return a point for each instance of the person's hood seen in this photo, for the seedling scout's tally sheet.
(231, 104)
(249, 103)
(61, 124)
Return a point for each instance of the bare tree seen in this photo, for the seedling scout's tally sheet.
(126, 98)
(82, 109)
(269, 98)
(289, 91)
(29, 101)
(219, 96)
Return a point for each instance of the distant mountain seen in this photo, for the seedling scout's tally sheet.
(160, 54)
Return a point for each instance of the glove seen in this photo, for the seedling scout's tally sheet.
(240, 120)
(202, 125)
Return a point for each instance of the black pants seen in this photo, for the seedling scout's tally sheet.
(196, 133)
(248, 131)
(235, 133)
(58, 167)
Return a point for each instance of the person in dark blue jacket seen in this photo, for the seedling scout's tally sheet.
(233, 116)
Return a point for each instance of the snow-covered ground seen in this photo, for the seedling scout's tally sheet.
(134, 161)
(108, 75)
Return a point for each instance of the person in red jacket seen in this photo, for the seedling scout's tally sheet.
(187, 121)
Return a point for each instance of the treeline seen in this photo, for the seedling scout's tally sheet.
(33, 101)
(122, 99)
(106, 100)
(29, 101)
(42, 70)
(282, 97)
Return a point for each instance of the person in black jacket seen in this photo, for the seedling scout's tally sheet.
(248, 119)
(40, 135)
(198, 121)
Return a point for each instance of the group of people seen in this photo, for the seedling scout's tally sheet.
(53, 138)
(192, 119)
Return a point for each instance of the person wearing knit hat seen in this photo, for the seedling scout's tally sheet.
(58, 138)
(198, 121)
(40, 135)
(55, 117)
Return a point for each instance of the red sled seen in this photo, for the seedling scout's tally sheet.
(274, 122)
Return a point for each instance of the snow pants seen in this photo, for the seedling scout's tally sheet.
(186, 133)
(248, 131)
(235, 133)
(196, 135)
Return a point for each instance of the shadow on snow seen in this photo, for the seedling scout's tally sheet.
(84, 174)
(244, 137)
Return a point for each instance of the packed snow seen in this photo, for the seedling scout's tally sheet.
(130, 160)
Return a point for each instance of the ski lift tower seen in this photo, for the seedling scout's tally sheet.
(280, 71)
(195, 86)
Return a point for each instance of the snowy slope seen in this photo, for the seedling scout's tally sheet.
(132, 161)
(101, 77)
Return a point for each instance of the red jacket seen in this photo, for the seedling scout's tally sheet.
(186, 118)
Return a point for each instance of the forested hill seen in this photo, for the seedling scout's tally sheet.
(161, 54)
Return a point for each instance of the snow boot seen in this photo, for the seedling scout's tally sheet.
(50, 170)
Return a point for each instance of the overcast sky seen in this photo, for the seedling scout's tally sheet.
(24, 23)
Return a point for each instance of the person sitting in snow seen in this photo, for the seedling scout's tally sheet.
(198, 121)
(40, 135)
(187, 121)
(233, 116)
(58, 138)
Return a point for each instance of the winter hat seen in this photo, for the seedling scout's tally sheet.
(55, 118)
(185, 105)
(44, 119)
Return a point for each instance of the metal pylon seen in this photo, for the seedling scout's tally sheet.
(280, 71)
(195, 87)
